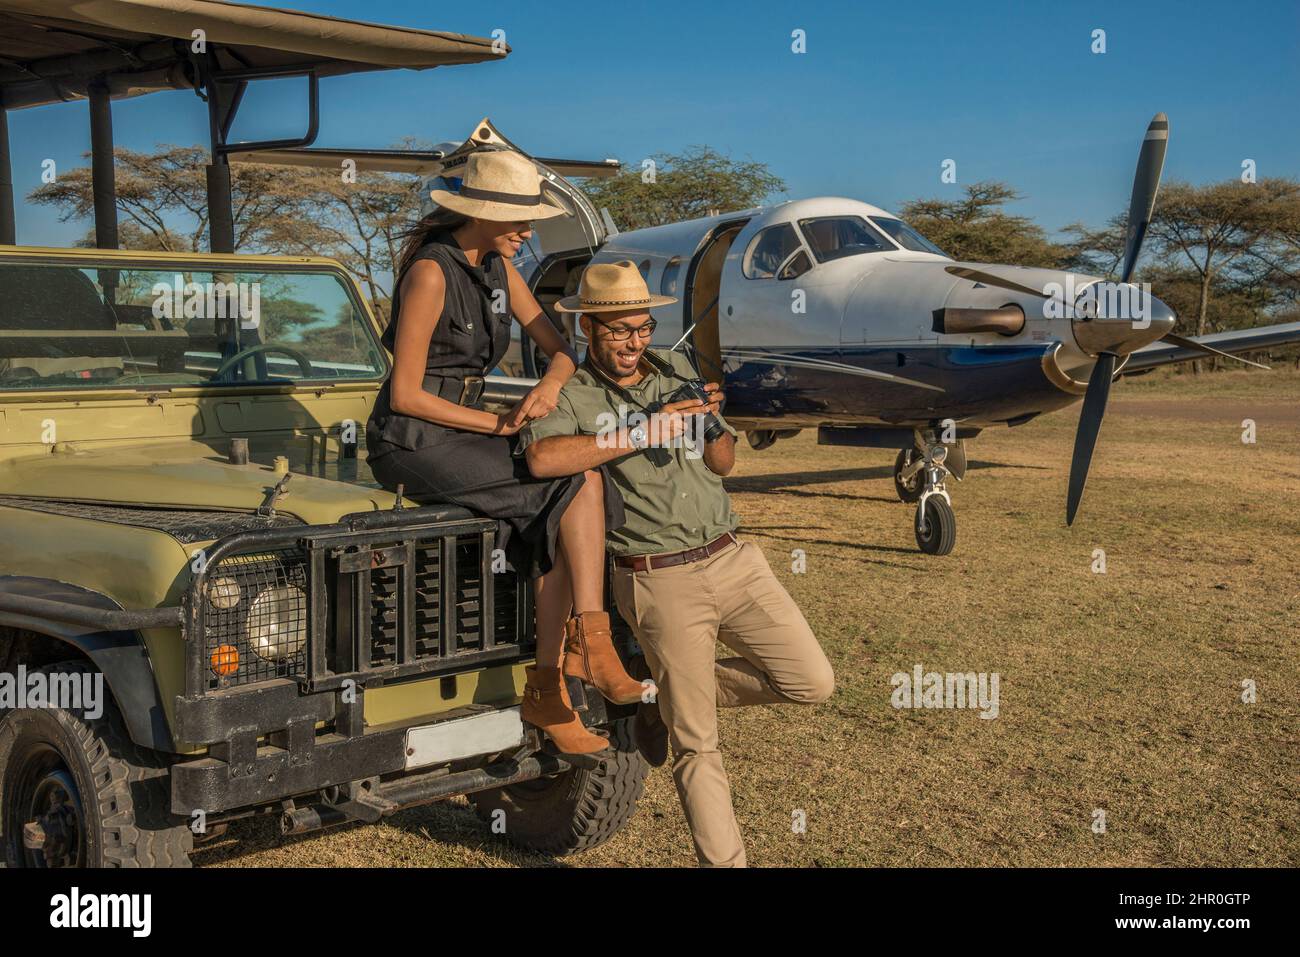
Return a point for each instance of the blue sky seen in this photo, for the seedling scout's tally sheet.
(884, 94)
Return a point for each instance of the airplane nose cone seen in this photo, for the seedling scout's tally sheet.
(1163, 317)
(1119, 318)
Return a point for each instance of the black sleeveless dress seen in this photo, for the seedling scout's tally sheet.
(483, 473)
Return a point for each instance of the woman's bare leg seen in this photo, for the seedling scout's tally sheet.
(582, 543)
(553, 600)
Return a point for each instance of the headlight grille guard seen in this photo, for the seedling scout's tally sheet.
(385, 595)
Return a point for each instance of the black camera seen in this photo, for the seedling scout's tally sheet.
(694, 389)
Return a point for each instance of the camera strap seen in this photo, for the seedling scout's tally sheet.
(657, 367)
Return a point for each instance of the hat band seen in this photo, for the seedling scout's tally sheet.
(614, 302)
(517, 199)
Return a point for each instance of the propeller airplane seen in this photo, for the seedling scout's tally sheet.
(834, 314)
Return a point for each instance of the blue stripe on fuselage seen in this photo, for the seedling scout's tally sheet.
(983, 384)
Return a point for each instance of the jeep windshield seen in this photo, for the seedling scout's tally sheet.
(97, 326)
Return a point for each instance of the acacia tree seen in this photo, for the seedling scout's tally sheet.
(357, 221)
(162, 205)
(162, 196)
(976, 228)
(680, 186)
(1228, 231)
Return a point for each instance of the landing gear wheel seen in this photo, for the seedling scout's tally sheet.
(936, 527)
(909, 491)
(573, 811)
(76, 791)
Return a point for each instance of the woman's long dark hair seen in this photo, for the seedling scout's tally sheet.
(420, 233)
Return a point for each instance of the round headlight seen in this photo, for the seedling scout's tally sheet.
(224, 593)
(277, 623)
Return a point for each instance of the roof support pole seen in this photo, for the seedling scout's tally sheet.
(102, 178)
(8, 230)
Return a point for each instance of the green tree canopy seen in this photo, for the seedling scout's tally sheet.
(680, 186)
(976, 228)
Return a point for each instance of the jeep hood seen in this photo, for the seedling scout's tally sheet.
(188, 476)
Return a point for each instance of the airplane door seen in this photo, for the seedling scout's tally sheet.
(779, 326)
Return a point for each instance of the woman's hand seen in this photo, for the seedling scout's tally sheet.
(540, 401)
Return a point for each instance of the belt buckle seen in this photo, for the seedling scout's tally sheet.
(471, 390)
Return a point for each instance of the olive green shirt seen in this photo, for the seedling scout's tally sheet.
(671, 498)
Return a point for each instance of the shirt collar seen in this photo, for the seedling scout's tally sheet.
(453, 248)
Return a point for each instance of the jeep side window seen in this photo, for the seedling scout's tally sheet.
(179, 326)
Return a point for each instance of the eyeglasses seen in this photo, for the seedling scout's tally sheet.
(622, 333)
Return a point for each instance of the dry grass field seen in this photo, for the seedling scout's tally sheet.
(1120, 692)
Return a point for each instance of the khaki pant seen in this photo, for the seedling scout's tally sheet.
(677, 614)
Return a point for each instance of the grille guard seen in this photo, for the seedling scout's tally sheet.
(339, 562)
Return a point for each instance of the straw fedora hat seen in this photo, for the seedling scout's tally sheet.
(498, 185)
(612, 287)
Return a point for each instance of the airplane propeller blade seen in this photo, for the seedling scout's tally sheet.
(1146, 183)
(1085, 439)
(1208, 350)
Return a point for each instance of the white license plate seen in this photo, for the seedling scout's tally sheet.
(464, 737)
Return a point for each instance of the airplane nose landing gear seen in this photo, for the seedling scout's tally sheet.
(919, 477)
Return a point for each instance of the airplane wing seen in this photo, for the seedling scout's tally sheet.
(1235, 341)
(406, 161)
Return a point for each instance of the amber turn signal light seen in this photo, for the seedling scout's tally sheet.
(225, 660)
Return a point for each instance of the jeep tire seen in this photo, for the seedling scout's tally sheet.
(106, 800)
(573, 811)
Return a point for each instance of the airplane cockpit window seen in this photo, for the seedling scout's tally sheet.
(906, 236)
(769, 250)
(834, 237)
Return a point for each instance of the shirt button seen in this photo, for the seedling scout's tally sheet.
(683, 495)
(469, 326)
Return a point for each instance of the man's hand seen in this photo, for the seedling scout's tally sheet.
(671, 420)
(716, 397)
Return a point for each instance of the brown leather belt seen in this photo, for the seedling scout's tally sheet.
(643, 563)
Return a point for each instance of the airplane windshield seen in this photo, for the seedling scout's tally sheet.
(834, 237)
(906, 236)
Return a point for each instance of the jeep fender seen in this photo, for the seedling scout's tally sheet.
(120, 655)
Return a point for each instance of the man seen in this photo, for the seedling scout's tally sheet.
(682, 578)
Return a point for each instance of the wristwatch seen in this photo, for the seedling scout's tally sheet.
(637, 437)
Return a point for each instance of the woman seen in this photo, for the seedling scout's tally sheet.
(455, 291)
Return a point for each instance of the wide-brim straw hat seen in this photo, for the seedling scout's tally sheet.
(498, 185)
(612, 287)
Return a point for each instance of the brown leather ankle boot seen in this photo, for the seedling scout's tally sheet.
(589, 654)
(547, 707)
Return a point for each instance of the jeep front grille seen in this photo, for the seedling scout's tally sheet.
(359, 604)
(464, 636)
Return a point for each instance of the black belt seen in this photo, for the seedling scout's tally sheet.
(461, 389)
(641, 563)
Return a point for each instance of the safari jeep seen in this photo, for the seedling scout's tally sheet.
(209, 609)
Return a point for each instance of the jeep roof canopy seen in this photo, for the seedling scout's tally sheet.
(59, 50)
